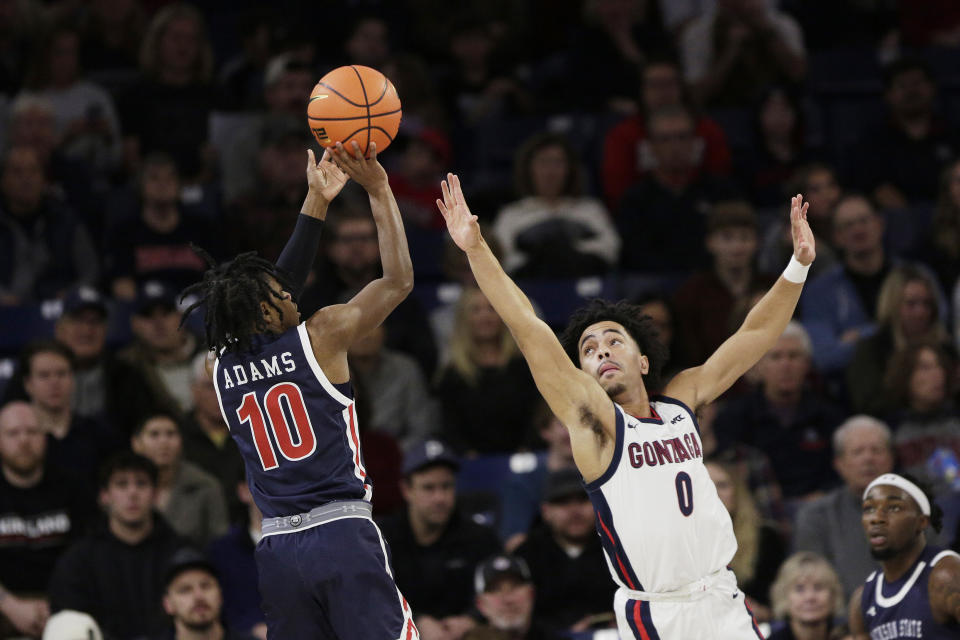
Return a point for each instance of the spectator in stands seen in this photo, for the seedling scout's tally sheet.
(933, 23)
(193, 598)
(627, 152)
(940, 248)
(162, 349)
(566, 561)
(44, 248)
(43, 509)
(838, 306)
(486, 392)
(664, 317)
(403, 407)
(112, 35)
(19, 25)
(206, 438)
(808, 597)
(830, 526)
(921, 381)
(190, 499)
(786, 419)
(505, 597)
(899, 162)
(706, 300)
(168, 109)
(352, 259)
(116, 572)
(731, 53)
(760, 549)
(554, 230)
(106, 386)
(382, 456)
(434, 549)
(241, 76)
(153, 243)
(232, 557)
(74, 442)
(662, 216)
(413, 79)
(368, 41)
(415, 181)
(907, 313)
(818, 184)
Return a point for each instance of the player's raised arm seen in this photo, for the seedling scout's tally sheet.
(574, 397)
(761, 329)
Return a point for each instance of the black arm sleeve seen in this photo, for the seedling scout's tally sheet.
(301, 249)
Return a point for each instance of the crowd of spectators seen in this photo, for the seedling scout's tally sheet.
(640, 149)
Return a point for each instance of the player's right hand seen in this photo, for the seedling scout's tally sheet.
(367, 172)
(462, 225)
(324, 178)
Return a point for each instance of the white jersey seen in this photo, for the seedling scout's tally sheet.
(659, 517)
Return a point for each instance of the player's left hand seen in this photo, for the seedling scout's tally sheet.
(804, 246)
(324, 178)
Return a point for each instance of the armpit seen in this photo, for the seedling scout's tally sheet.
(590, 420)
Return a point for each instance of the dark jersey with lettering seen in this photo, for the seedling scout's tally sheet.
(296, 430)
(901, 609)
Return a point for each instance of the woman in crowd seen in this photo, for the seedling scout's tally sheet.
(806, 595)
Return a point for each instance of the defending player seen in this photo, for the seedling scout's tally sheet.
(916, 594)
(667, 537)
(285, 393)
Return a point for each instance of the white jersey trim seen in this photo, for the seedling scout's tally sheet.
(943, 554)
(885, 602)
(315, 367)
(216, 387)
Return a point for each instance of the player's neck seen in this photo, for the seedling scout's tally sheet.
(896, 568)
(213, 632)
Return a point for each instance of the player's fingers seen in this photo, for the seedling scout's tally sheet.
(310, 159)
(356, 153)
(325, 157)
(457, 190)
(372, 149)
(803, 210)
(443, 209)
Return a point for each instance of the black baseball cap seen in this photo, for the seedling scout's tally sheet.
(427, 454)
(153, 294)
(497, 566)
(186, 559)
(561, 484)
(84, 297)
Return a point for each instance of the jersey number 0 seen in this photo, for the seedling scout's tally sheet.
(293, 435)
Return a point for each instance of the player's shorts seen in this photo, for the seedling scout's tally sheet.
(326, 575)
(710, 609)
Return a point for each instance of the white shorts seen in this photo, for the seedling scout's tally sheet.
(716, 612)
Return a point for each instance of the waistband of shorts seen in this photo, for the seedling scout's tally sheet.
(691, 591)
(315, 517)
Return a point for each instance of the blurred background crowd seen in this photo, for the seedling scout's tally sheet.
(636, 149)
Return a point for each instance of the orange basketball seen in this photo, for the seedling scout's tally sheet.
(354, 103)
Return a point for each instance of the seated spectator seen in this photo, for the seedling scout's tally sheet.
(116, 572)
(486, 392)
(193, 598)
(44, 248)
(154, 242)
(415, 181)
(522, 493)
(43, 510)
(566, 560)
(112, 34)
(663, 214)
(807, 596)
(434, 549)
(732, 52)
(907, 313)
(899, 163)
(505, 597)
(627, 152)
(554, 230)
(162, 349)
(921, 381)
(706, 300)
(75, 443)
(830, 526)
(188, 497)
(664, 317)
(760, 550)
(940, 248)
(403, 407)
(838, 306)
(786, 419)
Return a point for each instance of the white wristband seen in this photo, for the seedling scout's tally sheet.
(796, 272)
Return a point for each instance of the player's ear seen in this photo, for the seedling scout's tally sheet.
(167, 606)
(265, 310)
(644, 365)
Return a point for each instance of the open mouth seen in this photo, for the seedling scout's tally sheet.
(607, 367)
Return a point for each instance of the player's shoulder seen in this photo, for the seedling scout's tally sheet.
(945, 565)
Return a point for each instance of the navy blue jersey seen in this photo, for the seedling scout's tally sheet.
(296, 430)
(901, 609)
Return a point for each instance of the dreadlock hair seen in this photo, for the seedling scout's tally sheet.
(231, 293)
(936, 513)
(640, 327)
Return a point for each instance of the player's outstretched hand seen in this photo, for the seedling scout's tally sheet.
(462, 225)
(804, 246)
(367, 172)
(325, 177)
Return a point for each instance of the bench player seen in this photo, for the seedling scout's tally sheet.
(284, 391)
(667, 537)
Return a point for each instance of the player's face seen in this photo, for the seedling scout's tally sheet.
(431, 495)
(810, 599)
(289, 316)
(194, 599)
(865, 455)
(128, 498)
(610, 355)
(507, 604)
(891, 520)
(23, 442)
(160, 441)
(50, 382)
(570, 518)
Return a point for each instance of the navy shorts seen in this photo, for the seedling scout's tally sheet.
(331, 582)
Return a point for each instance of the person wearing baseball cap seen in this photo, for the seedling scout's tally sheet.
(505, 595)
(434, 548)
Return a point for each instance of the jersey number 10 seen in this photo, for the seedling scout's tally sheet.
(283, 431)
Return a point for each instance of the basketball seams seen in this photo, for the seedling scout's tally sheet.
(370, 128)
(366, 100)
(372, 115)
(383, 94)
(343, 97)
(346, 113)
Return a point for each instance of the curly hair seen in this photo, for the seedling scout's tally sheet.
(639, 327)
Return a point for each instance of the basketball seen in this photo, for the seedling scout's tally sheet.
(354, 103)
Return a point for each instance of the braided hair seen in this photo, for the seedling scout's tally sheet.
(231, 293)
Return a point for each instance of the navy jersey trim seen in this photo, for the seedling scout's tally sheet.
(617, 452)
(674, 401)
(610, 541)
